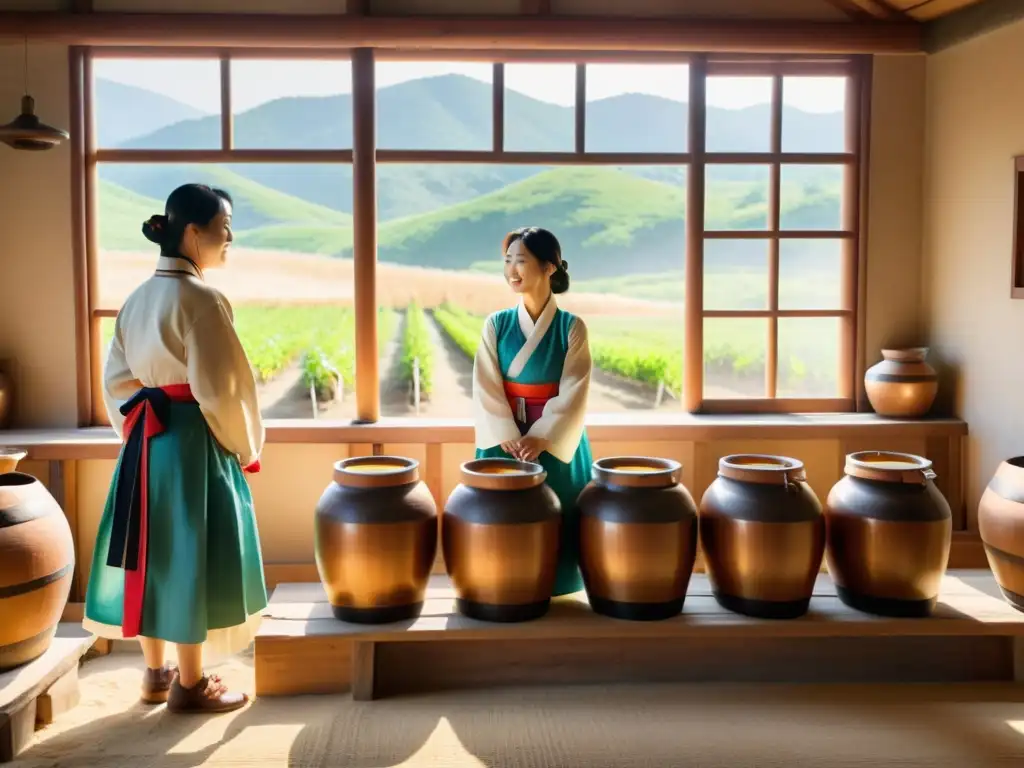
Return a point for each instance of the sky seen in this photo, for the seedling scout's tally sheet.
(197, 82)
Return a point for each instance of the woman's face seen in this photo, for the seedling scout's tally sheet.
(524, 272)
(211, 243)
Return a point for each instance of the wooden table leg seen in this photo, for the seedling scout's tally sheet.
(362, 670)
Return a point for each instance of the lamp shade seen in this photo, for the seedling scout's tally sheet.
(28, 132)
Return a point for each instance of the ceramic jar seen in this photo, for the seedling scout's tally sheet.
(37, 564)
(500, 532)
(1001, 525)
(762, 534)
(902, 385)
(376, 539)
(889, 534)
(638, 538)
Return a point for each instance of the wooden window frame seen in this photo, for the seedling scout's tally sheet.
(364, 157)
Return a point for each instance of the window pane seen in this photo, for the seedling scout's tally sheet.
(540, 107)
(434, 105)
(811, 197)
(808, 357)
(288, 278)
(734, 357)
(736, 274)
(810, 274)
(637, 108)
(280, 104)
(441, 271)
(736, 197)
(157, 103)
(814, 114)
(739, 114)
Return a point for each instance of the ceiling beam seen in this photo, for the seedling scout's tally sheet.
(970, 22)
(865, 9)
(448, 32)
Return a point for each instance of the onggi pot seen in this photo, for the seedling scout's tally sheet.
(376, 539)
(500, 532)
(638, 538)
(763, 536)
(889, 534)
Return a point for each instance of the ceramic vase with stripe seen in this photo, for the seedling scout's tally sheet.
(37, 564)
(1001, 525)
(902, 385)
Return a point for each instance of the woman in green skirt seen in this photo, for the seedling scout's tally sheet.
(531, 377)
(177, 557)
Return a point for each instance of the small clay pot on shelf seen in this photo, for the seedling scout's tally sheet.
(902, 385)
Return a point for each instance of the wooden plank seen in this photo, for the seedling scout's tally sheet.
(321, 664)
(457, 32)
(969, 604)
(102, 443)
(21, 687)
(406, 668)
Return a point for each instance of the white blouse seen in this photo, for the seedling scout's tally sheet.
(176, 329)
(562, 419)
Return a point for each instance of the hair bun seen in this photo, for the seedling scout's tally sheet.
(154, 228)
(565, 265)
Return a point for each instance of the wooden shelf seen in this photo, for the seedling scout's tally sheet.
(301, 648)
(37, 692)
(102, 443)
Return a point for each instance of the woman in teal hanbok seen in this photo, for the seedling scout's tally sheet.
(177, 556)
(531, 376)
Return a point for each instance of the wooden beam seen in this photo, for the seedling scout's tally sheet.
(535, 7)
(453, 33)
(872, 9)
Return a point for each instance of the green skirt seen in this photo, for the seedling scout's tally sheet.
(567, 481)
(204, 581)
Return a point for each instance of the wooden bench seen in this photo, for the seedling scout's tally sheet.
(301, 648)
(33, 695)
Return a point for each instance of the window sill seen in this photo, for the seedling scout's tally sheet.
(102, 443)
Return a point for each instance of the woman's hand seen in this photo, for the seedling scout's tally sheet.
(532, 447)
(511, 447)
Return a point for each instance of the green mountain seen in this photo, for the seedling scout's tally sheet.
(124, 112)
(454, 112)
(610, 223)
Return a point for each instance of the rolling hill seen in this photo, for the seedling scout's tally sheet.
(453, 112)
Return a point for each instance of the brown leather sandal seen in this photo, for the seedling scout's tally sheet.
(208, 695)
(156, 683)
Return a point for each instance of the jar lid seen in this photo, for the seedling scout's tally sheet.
(502, 474)
(636, 471)
(889, 467)
(762, 468)
(376, 471)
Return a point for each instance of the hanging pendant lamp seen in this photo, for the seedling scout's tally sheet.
(26, 131)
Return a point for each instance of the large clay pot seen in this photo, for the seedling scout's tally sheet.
(9, 458)
(889, 534)
(500, 533)
(902, 385)
(37, 564)
(1001, 525)
(638, 538)
(762, 533)
(376, 539)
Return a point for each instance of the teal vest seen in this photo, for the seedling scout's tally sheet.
(546, 363)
